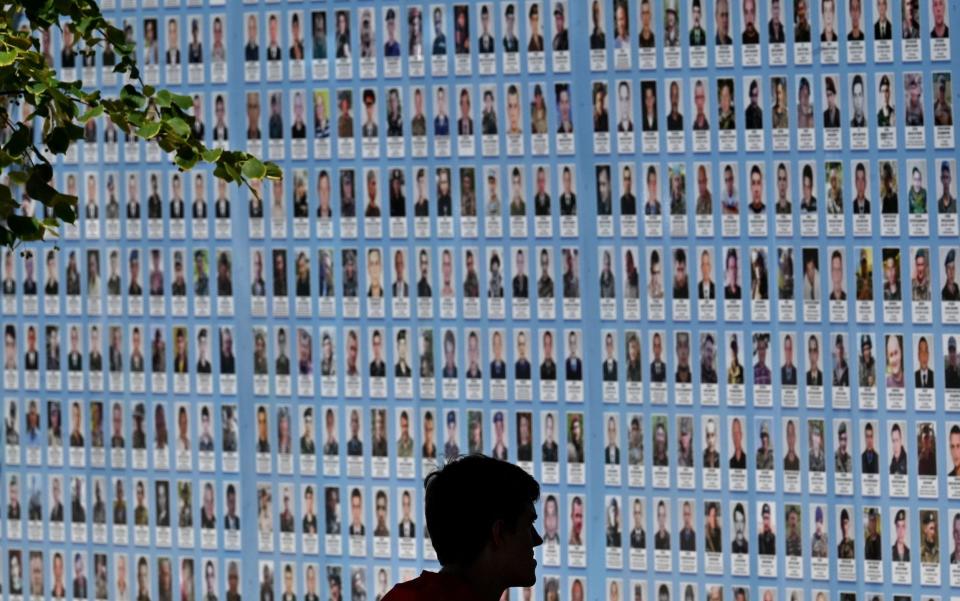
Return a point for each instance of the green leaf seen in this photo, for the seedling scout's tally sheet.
(44, 171)
(134, 118)
(58, 141)
(64, 199)
(7, 203)
(39, 189)
(132, 96)
(167, 142)
(39, 174)
(19, 141)
(212, 155)
(186, 162)
(115, 36)
(149, 90)
(179, 127)
(254, 169)
(149, 130)
(83, 25)
(163, 98)
(183, 101)
(92, 113)
(19, 177)
(274, 171)
(21, 42)
(7, 57)
(65, 213)
(51, 226)
(187, 152)
(25, 227)
(232, 172)
(43, 110)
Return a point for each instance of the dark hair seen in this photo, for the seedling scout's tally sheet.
(464, 499)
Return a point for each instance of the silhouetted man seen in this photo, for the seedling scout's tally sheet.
(491, 551)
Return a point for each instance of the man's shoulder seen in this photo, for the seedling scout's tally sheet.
(415, 586)
(428, 586)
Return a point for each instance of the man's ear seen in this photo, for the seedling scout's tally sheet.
(497, 532)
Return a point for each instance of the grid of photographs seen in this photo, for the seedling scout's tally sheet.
(661, 306)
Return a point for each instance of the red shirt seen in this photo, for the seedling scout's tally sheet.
(431, 586)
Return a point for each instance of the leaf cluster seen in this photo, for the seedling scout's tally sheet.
(59, 109)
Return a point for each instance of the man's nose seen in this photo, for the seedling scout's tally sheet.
(537, 539)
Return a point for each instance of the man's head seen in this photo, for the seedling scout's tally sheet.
(954, 444)
(956, 532)
(930, 527)
(499, 498)
(576, 517)
(793, 519)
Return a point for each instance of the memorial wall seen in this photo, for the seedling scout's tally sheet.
(690, 263)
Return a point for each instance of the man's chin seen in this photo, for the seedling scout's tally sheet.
(528, 577)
